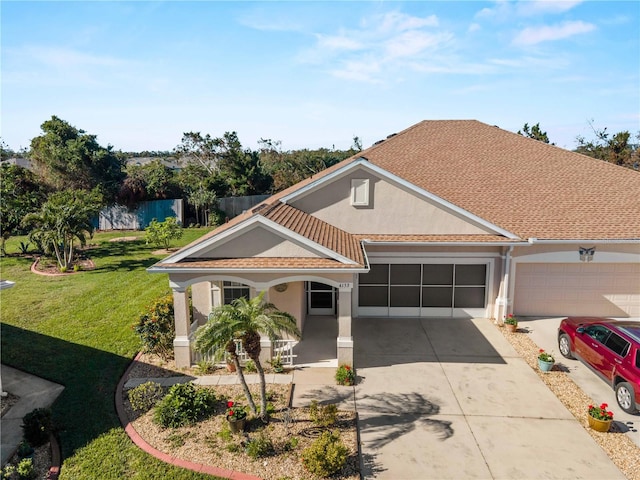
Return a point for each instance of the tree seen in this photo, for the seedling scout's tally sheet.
(160, 234)
(614, 149)
(534, 132)
(245, 319)
(65, 216)
(21, 193)
(67, 157)
(290, 167)
(203, 149)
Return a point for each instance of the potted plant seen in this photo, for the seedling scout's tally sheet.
(276, 364)
(345, 375)
(511, 323)
(600, 418)
(545, 361)
(236, 417)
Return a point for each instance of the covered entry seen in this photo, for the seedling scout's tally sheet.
(321, 298)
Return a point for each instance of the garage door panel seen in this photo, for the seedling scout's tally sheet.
(577, 289)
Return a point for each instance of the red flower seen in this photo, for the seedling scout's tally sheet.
(347, 367)
(604, 406)
(231, 413)
(229, 404)
(590, 407)
(541, 350)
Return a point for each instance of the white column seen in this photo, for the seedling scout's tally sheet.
(345, 339)
(216, 294)
(266, 345)
(181, 343)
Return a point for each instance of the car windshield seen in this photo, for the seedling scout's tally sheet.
(598, 332)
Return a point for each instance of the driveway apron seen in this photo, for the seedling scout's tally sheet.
(451, 399)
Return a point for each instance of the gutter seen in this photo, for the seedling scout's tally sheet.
(449, 244)
(534, 240)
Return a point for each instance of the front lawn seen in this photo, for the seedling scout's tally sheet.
(76, 330)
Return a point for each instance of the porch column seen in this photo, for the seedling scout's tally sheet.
(266, 345)
(345, 339)
(181, 343)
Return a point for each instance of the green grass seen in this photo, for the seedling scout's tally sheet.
(76, 330)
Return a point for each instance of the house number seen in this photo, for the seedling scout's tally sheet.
(345, 285)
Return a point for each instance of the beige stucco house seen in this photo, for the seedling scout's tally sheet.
(446, 219)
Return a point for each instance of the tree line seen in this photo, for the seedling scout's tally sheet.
(70, 168)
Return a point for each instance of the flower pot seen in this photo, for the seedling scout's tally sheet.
(510, 327)
(545, 366)
(599, 425)
(236, 425)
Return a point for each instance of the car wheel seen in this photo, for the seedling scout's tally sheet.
(625, 397)
(564, 345)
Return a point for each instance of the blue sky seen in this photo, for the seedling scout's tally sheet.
(314, 74)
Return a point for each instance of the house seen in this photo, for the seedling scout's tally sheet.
(446, 219)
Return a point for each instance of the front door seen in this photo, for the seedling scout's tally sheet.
(321, 299)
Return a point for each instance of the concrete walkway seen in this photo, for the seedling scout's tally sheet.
(34, 392)
(451, 399)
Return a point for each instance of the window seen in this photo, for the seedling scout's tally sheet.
(598, 332)
(427, 285)
(234, 290)
(617, 344)
(360, 192)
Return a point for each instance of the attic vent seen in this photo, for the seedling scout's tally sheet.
(378, 142)
(392, 135)
(360, 192)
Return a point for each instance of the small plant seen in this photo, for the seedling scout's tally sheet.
(177, 440)
(145, 396)
(345, 375)
(37, 426)
(276, 364)
(184, 405)
(24, 247)
(9, 472)
(25, 469)
(235, 412)
(24, 449)
(326, 456)
(160, 234)
(323, 415)
(291, 444)
(156, 328)
(545, 357)
(205, 367)
(259, 447)
(600, 413)
(77, 267)
(250, 366)
(63, 269)
(510, 320)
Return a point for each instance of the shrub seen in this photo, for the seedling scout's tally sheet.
(345, 375)
(184, 405)
(145, 396)
(250, 367)
(25, 469)
(259, 447)
(24, 449)
(326, 456)
(160, 234)
(156, 328)
(37, 426)
(323, 415)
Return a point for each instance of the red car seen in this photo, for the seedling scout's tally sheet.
(609, 347)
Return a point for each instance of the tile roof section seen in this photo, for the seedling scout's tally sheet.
(262, 263)
(522, 185)
(316, 230)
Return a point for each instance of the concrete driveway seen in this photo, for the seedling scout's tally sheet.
(451, 399)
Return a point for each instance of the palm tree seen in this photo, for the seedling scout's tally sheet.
(64, 217)
(245, 319)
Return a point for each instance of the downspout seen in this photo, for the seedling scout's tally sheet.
(506, 279)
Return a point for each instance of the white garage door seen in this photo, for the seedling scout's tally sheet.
(611, 289)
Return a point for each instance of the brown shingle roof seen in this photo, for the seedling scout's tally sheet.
(522, 185)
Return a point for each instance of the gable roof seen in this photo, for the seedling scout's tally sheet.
(525, 186)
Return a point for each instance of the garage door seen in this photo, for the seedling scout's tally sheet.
(611, 289)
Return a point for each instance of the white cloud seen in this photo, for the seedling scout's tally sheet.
(60, 57)
(504, 10)
(535, 35)
(338, 42)
(413, 42)
(400, 22)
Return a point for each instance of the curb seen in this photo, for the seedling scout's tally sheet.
(146, 447)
